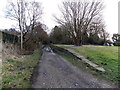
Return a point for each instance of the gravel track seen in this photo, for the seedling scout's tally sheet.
(55, 72)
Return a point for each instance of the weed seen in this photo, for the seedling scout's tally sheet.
(10, 60)
(17, 73)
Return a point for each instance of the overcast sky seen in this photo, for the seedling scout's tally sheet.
(51, 7)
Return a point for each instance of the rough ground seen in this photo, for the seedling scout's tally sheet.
(55, 72)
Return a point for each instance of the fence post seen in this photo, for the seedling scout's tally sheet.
(21, 40)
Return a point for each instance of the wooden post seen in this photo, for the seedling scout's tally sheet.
(21, 40)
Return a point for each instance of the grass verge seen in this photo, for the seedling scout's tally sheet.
(17, 73)
(104, 56)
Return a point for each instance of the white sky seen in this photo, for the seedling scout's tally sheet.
(51, 7)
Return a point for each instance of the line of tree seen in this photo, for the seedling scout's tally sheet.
(59, 35)
(83, 21)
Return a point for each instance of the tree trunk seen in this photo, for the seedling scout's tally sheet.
(21, 40)
(77, 42)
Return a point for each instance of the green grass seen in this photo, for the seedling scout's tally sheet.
(104, 56)
(17, 73)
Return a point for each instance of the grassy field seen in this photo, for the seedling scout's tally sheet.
(17, 73)
(104, 56)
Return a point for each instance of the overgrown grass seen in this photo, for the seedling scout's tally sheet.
(17, 73)
(104, 56)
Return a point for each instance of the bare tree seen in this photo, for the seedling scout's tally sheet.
(77, 17)
(26, 14)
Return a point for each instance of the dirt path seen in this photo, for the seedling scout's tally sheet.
(55, 72)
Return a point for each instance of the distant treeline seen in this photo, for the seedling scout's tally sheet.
(9, 38)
